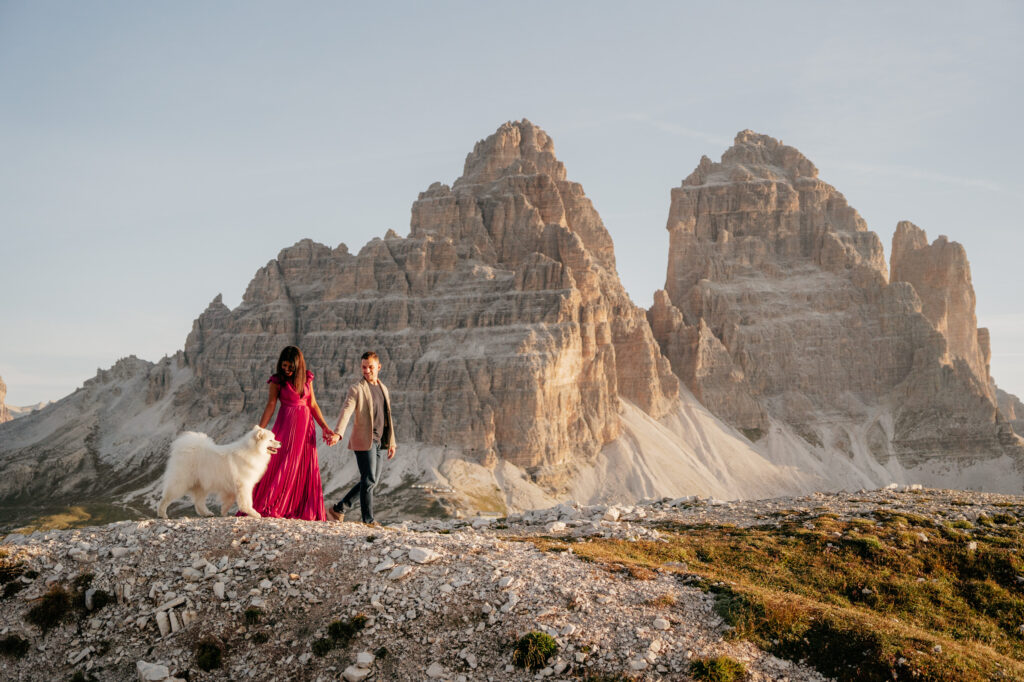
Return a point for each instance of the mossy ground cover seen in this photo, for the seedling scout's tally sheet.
(890, 597)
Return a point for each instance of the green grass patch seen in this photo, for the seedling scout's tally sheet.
(900, 599)
(718, 669)
(533, 650)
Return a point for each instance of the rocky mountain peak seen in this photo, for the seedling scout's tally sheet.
(517, 147)
(767, 157)
(778, 308)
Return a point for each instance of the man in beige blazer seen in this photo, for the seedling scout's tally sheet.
(373, 433)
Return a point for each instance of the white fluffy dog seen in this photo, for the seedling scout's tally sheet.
(198, 466)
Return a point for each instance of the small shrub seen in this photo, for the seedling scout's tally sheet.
(381, 653)
(82, 581)
(261, 638)
(371, 538)
(13, 588)
(208, 655)
(101, 598)
(342, 632)
(718, 669)
(322, 646)
(533, 650)
(1005, 519)
(13, 646)
(10, 569)
(666, 600)
(252, 615)
(51, 609)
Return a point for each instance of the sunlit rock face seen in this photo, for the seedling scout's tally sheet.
(5, 414)
(501, 323)
(777, 304)
(941, 277)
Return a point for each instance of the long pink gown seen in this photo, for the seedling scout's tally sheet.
(290, 488)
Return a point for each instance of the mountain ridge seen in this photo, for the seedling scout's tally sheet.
(504, 299)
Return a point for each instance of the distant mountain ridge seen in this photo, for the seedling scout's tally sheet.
(523, 374)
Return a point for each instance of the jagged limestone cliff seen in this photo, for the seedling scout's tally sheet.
(777, 305)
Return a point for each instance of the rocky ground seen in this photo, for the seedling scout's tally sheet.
(443, 599)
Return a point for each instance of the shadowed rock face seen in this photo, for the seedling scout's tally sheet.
(1012, 410)
(777, 304)
(501, 323)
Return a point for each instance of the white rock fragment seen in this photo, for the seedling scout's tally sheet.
(435, 670)
(423, 555)
(385, 565)
(152, 672)
(400, 572)
(555, 527)
(506, 581)
(661, 624)
(354, 673)
(218, 590)
(364, 659)
(163, 623)
(192, 575)
(171, 603)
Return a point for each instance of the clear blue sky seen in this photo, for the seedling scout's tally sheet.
(153, 155)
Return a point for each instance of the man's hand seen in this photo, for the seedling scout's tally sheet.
(391, 452)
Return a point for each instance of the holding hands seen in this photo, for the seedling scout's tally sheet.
(330, 437)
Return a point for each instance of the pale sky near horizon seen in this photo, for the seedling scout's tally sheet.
(153, 155)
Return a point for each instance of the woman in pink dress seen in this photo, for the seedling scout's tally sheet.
(291, 487)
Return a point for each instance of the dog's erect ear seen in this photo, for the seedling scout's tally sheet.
(260, 433)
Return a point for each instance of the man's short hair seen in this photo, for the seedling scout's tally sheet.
(370, 355)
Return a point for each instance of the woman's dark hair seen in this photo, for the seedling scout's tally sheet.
(293, 355)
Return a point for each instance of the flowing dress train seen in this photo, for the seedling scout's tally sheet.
(291, 488)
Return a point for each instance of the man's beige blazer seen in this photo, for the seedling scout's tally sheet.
(359, 403)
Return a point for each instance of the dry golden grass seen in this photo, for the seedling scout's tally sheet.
(894, 597)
